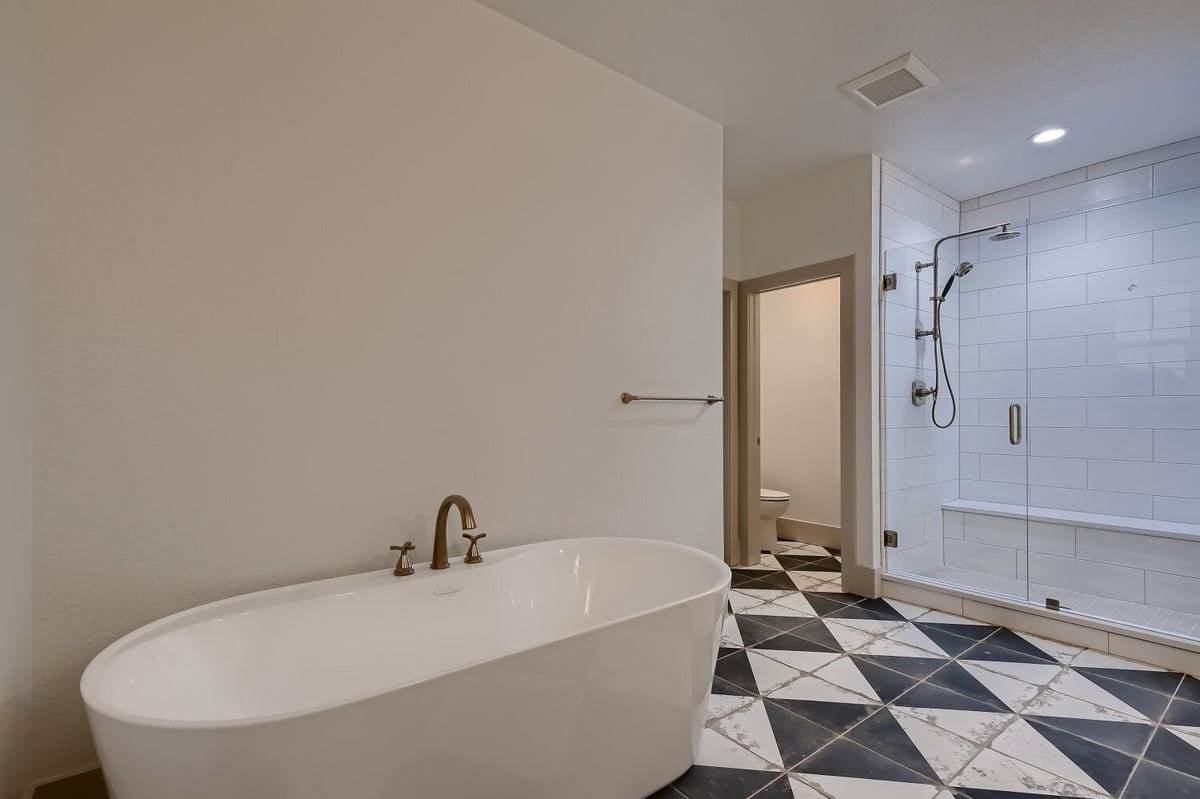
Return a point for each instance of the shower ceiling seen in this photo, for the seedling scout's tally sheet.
(1120, 73)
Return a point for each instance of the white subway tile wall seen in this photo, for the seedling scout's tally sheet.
(1090, 320)
(1104, 299)
(921, 462)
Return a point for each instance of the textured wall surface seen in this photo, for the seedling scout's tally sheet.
(16, 396)
(305, 269)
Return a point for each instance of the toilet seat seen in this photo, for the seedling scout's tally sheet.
(770, 495)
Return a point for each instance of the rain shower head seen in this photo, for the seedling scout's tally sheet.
(1005, 234)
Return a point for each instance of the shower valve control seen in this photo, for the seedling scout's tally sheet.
(921, 392)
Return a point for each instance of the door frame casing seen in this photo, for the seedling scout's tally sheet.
(856, 577)
(737, 544)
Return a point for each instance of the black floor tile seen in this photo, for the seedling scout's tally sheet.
(781, 624)
(1166, 749)
(797, 737)
(1189, 689)
(1163, 682)
(825, 603)
(881, 733)
(1152, 781)
(954, 677)
(795, 643)
(953, 645)
(888, 684)
(754, 631)
(918, 668)
(666, 793)
(735, 670)
(711, 782)
(843, 758)
(987, 650)
(1182, 712)
(933, 696)
(773, 581)
(780, 789)
(1109, 768)
(1124, 736)
(1150, 704)
(1011, 641)
(836, 717)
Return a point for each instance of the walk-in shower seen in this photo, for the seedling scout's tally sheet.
(920, 390)
(1068, 360)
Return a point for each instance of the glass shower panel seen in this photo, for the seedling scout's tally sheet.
(950, 524)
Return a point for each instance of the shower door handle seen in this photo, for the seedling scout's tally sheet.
(1014, 424)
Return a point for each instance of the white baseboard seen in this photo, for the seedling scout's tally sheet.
(823, 535)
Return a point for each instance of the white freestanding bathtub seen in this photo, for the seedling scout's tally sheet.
(562, 670)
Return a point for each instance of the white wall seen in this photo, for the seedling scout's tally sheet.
(16, 373)
(831, 214)
(1112, 310)
(920, 460)
(732, 243)
(799, 374)
(304, 269)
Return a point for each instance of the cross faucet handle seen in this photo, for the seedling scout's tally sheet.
(403, 567)
(473, 555)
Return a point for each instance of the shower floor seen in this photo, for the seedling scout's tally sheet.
(1174, 622)
(820, 694)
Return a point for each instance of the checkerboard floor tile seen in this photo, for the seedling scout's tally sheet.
(820, 694)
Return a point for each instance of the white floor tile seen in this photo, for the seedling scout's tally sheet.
(741, 601)
(717, 750)
(1026, 744)
(856, 788)
(945, 752)
(1037, 674)
(724, 704)
(973, 725)
(908, 611)
(761, 594)
(844, 674)
(814, 689)
(796, 602)
(999, 772)
(1103, 660)
(730, 634)
(1074, 684)
(1010, 691)
(1053, 703)
(749, 727)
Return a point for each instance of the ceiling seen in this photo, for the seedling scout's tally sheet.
(1124, 75)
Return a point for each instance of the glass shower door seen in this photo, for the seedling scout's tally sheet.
(987, 528)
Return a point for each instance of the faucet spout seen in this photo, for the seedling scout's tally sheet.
(441, 559)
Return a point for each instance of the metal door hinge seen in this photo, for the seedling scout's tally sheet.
(891, 538)
(889, 281)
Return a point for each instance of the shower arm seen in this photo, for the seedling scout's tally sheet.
(934, 332)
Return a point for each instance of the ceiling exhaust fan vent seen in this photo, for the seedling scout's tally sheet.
(891, 82)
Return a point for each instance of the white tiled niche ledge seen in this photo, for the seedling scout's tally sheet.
(1139, 571)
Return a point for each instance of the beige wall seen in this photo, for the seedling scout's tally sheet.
(799, 374)
(305, 268)
(826, 215)
(16, 504)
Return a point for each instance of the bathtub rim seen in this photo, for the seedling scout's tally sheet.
(93, 705)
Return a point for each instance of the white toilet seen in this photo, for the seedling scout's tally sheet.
(771, 505)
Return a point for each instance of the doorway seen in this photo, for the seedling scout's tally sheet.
(789, 430)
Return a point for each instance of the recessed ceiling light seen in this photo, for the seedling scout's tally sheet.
(1048, 135)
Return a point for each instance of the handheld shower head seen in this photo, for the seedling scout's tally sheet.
(963, 268)
(1005, 234)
